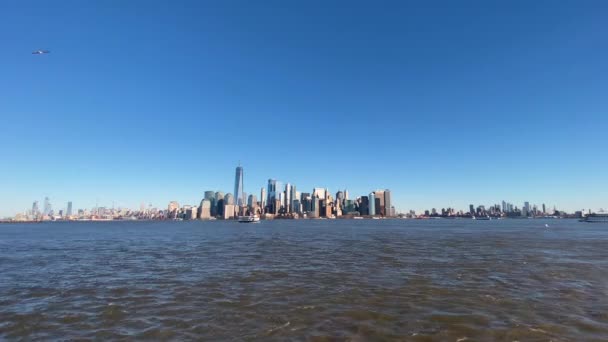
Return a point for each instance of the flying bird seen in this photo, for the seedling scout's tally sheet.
(40, 52)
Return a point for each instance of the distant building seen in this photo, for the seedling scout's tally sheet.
(205, 209)
(69, 211)
(306, 201)
(172, 209)
(294, 196)
(35, 209)
(263, 198)
(525, 211)
(387, 203)
(238, 186)
(252, 201)
(471, 209)
(218, 208)
(229, 211)
(372, 204)
(288, 198)
(321, 193)
(47, 207)
(380, 206)
(229, 199)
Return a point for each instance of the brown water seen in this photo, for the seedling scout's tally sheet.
(438, 280)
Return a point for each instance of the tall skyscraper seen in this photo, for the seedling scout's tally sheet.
(380, 205)
(69, 211)
(544, 209)
(35, 210)
(272, 191)
(172, 209)
(47, 206)
(294, 197)
(525, 211)
(288, 197)
(340, 197)
(238, 187)
(372, 204)
(387, 203)
(263, 198)
(471, 209)
(205, 209)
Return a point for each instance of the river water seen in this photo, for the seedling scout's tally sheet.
(317, 280)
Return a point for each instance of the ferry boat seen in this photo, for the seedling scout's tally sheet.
(482, 218)
(249, 219)
(596, 218)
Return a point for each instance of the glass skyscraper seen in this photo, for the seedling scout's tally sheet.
(238, 187)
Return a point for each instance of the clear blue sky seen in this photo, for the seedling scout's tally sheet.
(445, 102)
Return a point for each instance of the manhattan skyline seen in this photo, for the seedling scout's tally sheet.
(444, 105)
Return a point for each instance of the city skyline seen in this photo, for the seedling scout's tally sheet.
(287, 199)
(444, 104)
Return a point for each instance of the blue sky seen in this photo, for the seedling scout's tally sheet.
(446, 103)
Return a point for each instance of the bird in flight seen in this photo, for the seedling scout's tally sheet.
(40, 52)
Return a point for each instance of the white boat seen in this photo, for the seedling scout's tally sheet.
(596, 218)
(249, 219)
(482, 218)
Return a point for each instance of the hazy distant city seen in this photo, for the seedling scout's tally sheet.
(284, 201)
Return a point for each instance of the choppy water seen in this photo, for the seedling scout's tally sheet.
(438, 280)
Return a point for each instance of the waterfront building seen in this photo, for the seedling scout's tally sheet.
(472, 209)
(47, 206)
(296, 206)
(229, 210)
(217, 207)
(340, 197)
(274, 194)
(387, 203)
(35, 210)
(172, 209)
(238, 186)
(379, 205)
(69, 211)
(205, 209)
(191, 213)
(315, 207)
(349, 206)
(229, 199)
(372, 204)
(288, 198)
(294, 196)
(525, 211)
(544, 209)
(219, 210)
(263, 198)
(306, 201)
(272, 190)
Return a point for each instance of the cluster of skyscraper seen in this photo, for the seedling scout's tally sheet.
(285, 201)
(47, 210)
